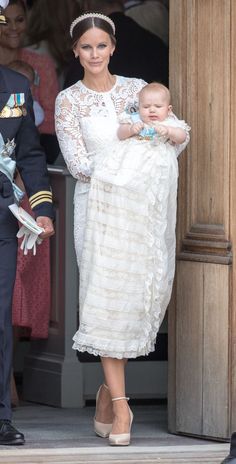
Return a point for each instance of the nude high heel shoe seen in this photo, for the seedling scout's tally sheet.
(101, 429)
(121, 439)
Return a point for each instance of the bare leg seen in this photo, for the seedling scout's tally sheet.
(104, 412)
(114, 372)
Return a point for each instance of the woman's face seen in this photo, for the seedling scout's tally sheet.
(94, 49)
(12, 35)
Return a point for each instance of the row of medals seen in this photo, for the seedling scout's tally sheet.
(16, 111)
(14, 107)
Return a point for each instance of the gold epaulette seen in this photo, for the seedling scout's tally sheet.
(40, 197)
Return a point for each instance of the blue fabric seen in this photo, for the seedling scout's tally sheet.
(8, 166)
(148, 132)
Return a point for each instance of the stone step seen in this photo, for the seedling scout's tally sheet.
(205, 454)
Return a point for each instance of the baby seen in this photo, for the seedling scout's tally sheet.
(147, 139)
(155, 117)
(26, 69)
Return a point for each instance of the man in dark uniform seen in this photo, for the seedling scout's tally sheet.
(139, 53)
(231, 458)
(17, 126)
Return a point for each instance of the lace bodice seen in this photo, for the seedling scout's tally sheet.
(87, 121)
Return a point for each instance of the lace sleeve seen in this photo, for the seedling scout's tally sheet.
(181, 147)
(175, 122)
(70, 138)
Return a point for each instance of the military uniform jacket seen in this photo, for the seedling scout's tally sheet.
(18, 125)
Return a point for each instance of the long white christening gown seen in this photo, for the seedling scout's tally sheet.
(124, 222)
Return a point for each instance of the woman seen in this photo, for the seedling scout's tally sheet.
(48, 31)
(46, 87)
(111, 318)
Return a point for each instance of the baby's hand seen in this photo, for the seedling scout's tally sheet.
(162, 130)
(136, 127)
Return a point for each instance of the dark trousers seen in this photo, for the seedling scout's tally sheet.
(8, 256)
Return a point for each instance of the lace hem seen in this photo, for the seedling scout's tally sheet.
(107, 352)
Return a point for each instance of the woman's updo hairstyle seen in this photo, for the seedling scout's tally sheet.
(88, 21)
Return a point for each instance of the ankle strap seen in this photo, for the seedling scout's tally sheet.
(120, 398)
(105, 386)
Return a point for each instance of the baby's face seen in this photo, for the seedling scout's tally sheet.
(153, 106)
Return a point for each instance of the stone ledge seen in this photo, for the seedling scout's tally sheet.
(205, 454)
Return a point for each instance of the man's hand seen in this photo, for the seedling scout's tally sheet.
(46, 223)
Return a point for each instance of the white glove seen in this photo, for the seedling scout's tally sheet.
(29, 241)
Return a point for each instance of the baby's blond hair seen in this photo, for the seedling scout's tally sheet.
(157, 86)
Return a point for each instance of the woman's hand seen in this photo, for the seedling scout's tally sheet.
(84, 178)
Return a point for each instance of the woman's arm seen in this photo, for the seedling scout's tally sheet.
(70, 138)
(48, 90)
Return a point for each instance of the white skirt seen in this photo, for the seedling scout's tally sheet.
(128, 260)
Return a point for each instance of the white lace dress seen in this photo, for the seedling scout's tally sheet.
(125, 234)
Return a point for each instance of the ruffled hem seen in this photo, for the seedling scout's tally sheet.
(108, 352)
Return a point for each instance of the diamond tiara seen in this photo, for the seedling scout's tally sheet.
(92, 15)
